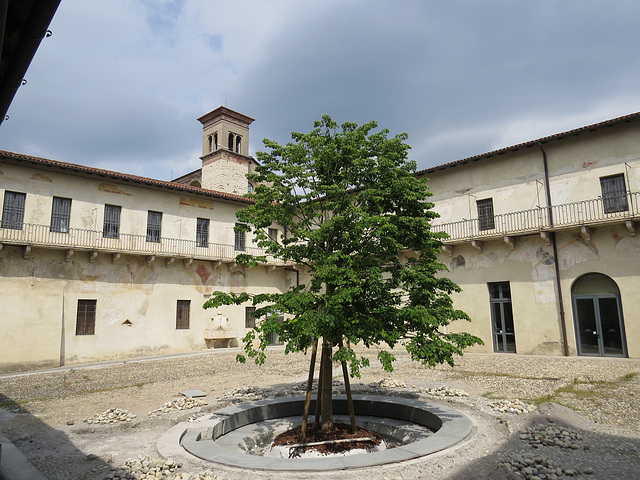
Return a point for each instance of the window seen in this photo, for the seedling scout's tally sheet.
(249, 187)
(111, 225)
(614, 193)
(273, 234)
(86, 317)
(485, 214)
(249, 319)
(202, 232)
(154, 226)
(504, 339)
(240, 238)
(60, 214)
(182, 314)
(13, 210)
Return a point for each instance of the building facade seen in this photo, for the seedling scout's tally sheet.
(98, 265)
(542, 240)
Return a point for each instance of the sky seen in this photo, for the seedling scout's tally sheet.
(120, 83)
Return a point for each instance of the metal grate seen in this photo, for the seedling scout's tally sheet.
(614, 194)
(86, 317)
(182, 314)
(202, 232)
(111, 226)
(154, 226)
(13, 210)
(60, 215)
(486, 220)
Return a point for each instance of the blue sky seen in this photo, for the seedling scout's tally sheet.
(121, 83)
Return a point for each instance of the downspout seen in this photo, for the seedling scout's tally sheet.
(554, 245)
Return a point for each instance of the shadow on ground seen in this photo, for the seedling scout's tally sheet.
(16, 421)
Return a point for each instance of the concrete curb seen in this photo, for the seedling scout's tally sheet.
(197, 439)
(14, 465)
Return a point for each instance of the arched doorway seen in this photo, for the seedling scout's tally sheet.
(597, 315)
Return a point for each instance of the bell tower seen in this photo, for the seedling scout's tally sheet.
(225, 151)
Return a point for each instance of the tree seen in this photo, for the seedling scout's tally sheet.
(358, 225)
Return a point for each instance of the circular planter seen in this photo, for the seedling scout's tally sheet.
(205, 438)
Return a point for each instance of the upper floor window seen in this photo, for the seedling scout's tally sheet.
(614, 193)
(111, 225)
(202, 232)
(60, 215)
(273, 234)
(154, 226)
(86, 317)
(486, 220)
(182, 314)
(13, 210)
(240, 239)
(249, 187)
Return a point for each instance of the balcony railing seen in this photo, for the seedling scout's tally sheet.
(584, 213)
(91, 240)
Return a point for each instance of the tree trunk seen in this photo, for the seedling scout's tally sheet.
(347, 388)
(319, 393)
(307, 400)
(327, 387)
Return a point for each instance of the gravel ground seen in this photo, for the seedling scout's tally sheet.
(575, 418)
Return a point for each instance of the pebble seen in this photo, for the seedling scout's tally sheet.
(444, 391)
(141, 468)
(531, 467)
(111, 416)
(552, 435)
(511, 406)
(183, 403)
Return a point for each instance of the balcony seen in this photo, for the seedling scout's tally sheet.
(76, 239)
(595, 212)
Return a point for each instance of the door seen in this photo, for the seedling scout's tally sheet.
(598, 318)
(504, 335)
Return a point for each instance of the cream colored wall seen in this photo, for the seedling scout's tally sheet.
(40, 325)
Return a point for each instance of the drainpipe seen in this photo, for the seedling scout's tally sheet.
(552, 235)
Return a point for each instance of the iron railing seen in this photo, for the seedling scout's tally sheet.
(80, 239)
(584, 213)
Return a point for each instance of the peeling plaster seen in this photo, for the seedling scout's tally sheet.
(110, 188)
(40, 177)
(625, 243)
(196, 202)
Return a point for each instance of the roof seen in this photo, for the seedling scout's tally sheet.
(23, 24)
(531, 143)
(121, 176)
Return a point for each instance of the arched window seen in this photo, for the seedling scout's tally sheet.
(238, 140)
(230, 143)
(597, 315)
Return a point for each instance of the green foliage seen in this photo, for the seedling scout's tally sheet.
(358, 224)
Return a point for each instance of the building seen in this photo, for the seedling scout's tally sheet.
(542, 240)
(98, 265)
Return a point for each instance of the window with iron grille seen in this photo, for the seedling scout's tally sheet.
(249, 319)
(202, 232)
(182, 314)
(111, 225)
(86, 317)
(60, 215)
(614, 193)
(240, 239)
(486, 219)
(154, 226)
(13, 210)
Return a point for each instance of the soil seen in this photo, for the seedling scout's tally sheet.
(315, 434)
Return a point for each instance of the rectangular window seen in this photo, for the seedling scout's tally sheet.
(486, 220)
(86, 317)
(111, 225)
(60, 215)
(504, 339)
(273, 234)
(154, 226)
(614, 193)
(182, 314)
(249, 319)
(202, 232)
(13, 210)
(240, 239)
